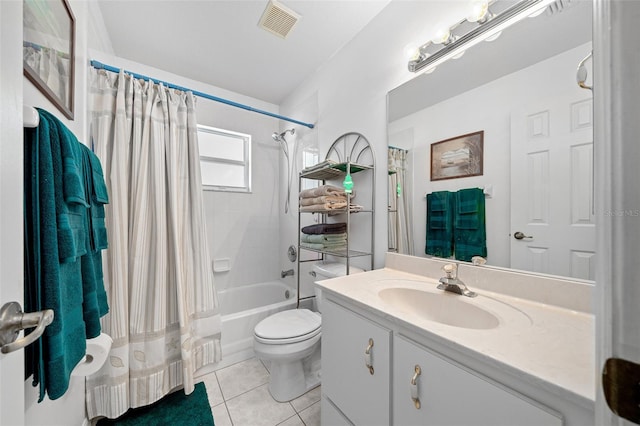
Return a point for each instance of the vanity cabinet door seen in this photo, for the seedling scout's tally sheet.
(359, 392)
(450, 395)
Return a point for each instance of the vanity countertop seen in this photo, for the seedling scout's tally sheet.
(554, 347)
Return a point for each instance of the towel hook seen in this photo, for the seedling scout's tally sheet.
(12, 320)
(581, 74)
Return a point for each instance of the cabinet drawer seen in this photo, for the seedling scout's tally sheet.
(450, 395)
(363, 397)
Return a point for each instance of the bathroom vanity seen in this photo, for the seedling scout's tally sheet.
(396, 350)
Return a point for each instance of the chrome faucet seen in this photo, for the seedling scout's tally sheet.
(452, 283)
(286, 273)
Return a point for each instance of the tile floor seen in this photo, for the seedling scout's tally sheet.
(239, 396)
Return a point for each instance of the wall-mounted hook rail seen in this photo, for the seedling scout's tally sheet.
(582, 73)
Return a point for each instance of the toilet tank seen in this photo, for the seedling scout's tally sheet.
(325, 271)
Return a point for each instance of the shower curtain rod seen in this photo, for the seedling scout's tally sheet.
(101, 66)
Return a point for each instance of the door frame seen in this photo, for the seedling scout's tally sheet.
(615, 134)
(12, 401)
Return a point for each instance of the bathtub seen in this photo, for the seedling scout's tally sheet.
(242, 308)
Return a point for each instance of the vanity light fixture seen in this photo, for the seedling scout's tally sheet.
(489, 28)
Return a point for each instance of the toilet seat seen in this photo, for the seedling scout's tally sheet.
(295, 325)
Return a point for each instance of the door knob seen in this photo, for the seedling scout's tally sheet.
(520, 235)
(12, 320)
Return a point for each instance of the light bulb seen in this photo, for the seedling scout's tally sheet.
(442, 36)
(478, 10)
(412, 52)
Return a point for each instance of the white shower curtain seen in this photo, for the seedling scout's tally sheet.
(164, 317)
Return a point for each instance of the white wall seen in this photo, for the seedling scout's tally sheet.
(487, 108)
(349, 92)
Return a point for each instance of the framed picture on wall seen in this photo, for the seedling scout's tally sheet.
(457, 157)
(48, 46)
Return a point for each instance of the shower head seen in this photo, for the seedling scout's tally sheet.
(279, 137)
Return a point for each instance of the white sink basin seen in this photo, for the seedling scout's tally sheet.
(443, 307)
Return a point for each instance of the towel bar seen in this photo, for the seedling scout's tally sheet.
(30, 117)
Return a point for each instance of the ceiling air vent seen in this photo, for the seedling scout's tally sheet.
(278, 19)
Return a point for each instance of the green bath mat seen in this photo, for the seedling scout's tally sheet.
(174, 409)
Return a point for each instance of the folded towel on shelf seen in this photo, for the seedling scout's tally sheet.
(320, 246)
(321, 190)
(326, 207)
(325, 228)
(325, 199)
(325, 163)
(323, 238)
(314, 246)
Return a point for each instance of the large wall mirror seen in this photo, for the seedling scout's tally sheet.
(521, 91)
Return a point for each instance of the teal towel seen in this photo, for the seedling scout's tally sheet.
(63, 344)
(97, 194)
(439, 238)
(470, 228)
(60, 262)
(95, 298)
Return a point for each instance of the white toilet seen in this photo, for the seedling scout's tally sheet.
(290, 341)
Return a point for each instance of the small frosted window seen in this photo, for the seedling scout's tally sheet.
(221, 146)
(221, 174)
(225, 159)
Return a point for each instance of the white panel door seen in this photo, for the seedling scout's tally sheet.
(11, 274)
(552, 186)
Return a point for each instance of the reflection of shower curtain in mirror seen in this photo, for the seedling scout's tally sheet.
(400, 220)
(164, 317)
(51, 66)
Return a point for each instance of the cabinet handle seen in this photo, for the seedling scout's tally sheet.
(413, 385)
(367, 357)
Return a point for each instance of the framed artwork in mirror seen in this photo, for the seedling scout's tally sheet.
(457, 157)
(48, 46)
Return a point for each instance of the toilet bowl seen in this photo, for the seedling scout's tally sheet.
(290, 342)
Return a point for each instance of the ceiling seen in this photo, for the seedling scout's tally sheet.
(219, 42)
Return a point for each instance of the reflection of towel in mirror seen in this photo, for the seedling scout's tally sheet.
(322, 190)
(439, 238)
(469, 224)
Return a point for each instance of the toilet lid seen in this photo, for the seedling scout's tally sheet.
(292, 325)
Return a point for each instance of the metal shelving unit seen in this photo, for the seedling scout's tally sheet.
(350, 152)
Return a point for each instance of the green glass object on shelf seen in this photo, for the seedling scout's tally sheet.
(398, 190)
(347, 184)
